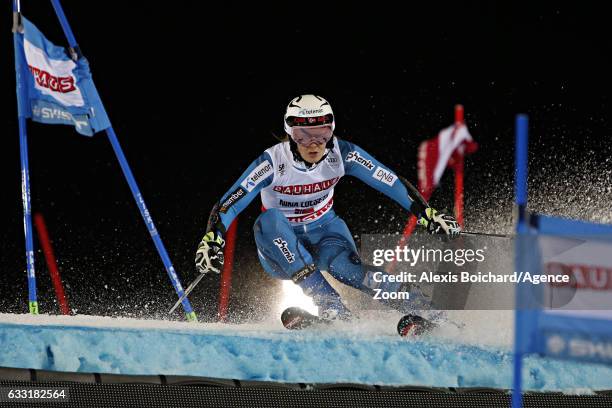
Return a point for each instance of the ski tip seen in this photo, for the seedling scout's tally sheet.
(293, 318)
(413, 325)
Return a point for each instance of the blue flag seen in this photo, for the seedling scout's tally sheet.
(51, 87)
(570, 319)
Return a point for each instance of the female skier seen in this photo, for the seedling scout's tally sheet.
(298, 233)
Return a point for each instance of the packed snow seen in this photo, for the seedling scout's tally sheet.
(472, 351)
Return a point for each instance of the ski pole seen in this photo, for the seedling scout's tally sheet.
(186, 293)
(485, 234)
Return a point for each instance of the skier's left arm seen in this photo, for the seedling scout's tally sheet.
(360, 164)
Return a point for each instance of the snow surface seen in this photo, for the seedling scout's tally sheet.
(368, 351)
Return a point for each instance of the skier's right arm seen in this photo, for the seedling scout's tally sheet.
(209, 255)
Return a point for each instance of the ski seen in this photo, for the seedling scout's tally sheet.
(295, 318)
(414, 325)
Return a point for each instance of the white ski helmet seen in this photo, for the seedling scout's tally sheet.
(308, 110)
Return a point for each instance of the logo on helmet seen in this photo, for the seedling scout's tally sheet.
(307, 111)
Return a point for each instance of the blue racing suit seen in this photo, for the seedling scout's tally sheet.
(299, 234)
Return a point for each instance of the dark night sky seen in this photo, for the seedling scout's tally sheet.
(194, 91)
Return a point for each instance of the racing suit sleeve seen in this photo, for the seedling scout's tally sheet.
(360, 164)
(257, 176)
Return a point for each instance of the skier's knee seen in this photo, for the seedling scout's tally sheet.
(342, 262)
(345, 258)
(335, 253)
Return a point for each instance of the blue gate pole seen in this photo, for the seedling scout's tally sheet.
(27, 216)
(521, 168)
(25, 170)
(191, 316)
(517, 373)
(521, 155)
(127, 172)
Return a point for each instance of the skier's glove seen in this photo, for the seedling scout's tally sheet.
(209, 256)
(439, 223)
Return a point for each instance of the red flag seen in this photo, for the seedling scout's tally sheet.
(447, 149)
(436, 154)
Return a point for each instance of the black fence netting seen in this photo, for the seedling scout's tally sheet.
(20, 388)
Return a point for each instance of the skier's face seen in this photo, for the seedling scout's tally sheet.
(311, 141)
(312, 153)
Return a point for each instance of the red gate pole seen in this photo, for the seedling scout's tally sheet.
(45, 242)
(226, 273)
(458, 167)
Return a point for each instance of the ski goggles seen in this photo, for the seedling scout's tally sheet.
(306, 136)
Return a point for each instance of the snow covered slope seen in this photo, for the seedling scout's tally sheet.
(367, 352)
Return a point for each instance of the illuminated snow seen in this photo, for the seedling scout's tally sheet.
(367, 351)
